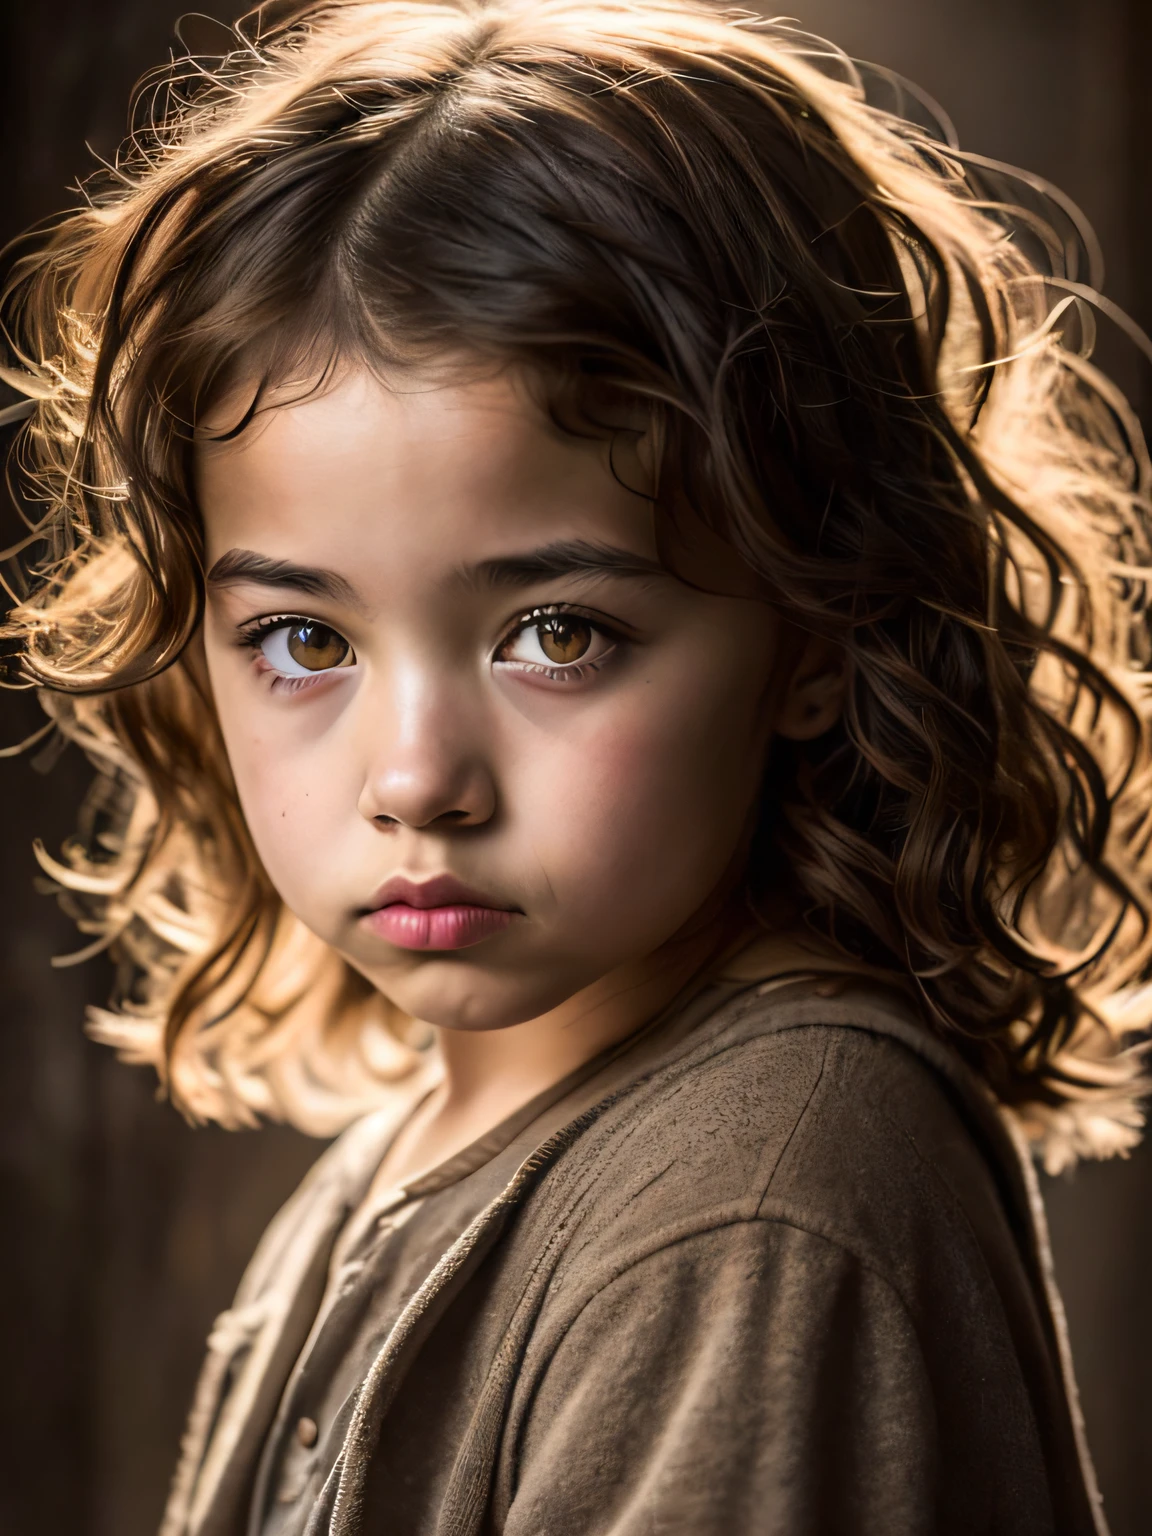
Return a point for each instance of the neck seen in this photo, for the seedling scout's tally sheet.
(524, 1059)
(489, 1074)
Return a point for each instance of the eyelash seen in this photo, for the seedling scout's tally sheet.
(253, 634)
(255, 630)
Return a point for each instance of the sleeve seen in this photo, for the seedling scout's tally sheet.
(754, 1378)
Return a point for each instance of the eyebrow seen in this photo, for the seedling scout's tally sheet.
(565, 557)
(247, 565)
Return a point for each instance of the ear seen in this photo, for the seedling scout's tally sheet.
(813, 698)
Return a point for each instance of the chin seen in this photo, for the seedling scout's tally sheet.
(454, 994)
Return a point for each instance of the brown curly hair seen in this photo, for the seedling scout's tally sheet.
(866, 374)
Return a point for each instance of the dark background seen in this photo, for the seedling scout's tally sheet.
(123, 1231)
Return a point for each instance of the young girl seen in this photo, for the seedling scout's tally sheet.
(607, 599)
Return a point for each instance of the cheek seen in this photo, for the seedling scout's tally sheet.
(278, 805)
(285, 786)
(642, 814)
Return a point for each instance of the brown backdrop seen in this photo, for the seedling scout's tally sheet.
(124, 1231)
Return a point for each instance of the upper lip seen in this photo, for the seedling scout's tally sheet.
(439, 891)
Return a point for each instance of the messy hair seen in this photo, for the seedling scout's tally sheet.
(868, 374)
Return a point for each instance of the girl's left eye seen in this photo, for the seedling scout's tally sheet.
(559, 644)
(303, 647)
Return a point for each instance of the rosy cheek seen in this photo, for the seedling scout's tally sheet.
(667, 746)
(615, 798)
(651, 800)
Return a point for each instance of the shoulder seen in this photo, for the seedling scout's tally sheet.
(791, 1237)
(840, 1079)
(833, 1128)
(888, 1160)
(795, 1244)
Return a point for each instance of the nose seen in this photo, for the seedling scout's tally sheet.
(426, 761)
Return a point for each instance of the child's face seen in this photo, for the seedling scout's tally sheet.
(443, 649)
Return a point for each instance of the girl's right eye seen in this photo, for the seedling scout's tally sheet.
(299, 647)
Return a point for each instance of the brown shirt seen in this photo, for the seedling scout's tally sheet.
(787, 1275)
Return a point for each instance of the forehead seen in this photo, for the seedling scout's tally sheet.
(415, 469)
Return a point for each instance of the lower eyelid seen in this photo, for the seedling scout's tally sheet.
(264, 668)
(284, 684)
(573, 671)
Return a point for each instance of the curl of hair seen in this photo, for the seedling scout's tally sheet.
(868, 374)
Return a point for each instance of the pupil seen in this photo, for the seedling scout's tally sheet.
(565, 639)
(316, 647)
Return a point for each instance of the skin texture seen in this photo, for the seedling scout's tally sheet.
(608, 805)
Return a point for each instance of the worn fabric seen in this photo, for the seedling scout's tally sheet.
(788, 1276)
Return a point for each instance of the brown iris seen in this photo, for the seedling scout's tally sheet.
(564, 638)
(317, 647)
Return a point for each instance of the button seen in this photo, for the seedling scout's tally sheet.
(306, 1432)
(829, 988)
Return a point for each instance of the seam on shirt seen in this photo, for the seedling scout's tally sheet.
(746, 1221)
(639, 1121)
(796, 1124)
(757, 1220)
(899, 1130)
(941, 1187)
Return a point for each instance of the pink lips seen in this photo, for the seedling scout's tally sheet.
(433, 914)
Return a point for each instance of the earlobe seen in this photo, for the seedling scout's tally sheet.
(813, 699)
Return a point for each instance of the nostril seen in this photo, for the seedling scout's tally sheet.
(456, 818)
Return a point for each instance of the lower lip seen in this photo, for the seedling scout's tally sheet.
(436, 927)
